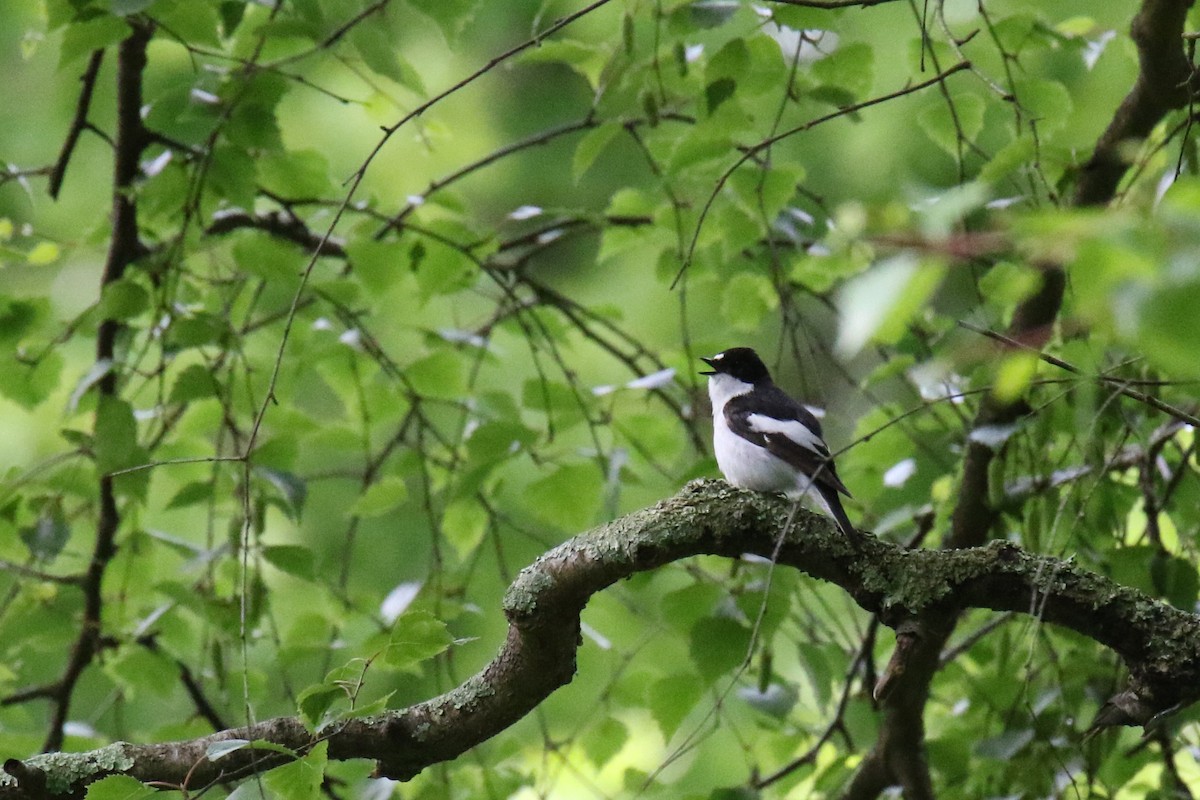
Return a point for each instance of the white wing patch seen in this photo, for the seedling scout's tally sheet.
(792, 429)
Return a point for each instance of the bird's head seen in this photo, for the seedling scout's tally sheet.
(741, 363)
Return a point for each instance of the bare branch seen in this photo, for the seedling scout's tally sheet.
(78, 123)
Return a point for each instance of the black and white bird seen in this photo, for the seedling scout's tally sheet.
(765, 440)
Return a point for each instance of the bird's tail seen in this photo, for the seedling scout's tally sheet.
(834, 505)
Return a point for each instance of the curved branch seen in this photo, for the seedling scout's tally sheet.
(1165, 82)
(1160, 644)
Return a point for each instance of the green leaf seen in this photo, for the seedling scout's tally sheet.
(878, 305)
(118, 787)
(295, 174)
(946, 123)
(191, 494)
(717, 646)
(115, 435)
(766, 192)
(292, 559)
(315, 701)
(441, 270)
(20, 381)
(196, 330)
(464, 524)
(556, 400)
(232, 13)
(799, 18)
(123, 299)
(136, 670)
(301, 779)
(718, 92)
(591, 145)
(81, 38)
(369, 709)
(747, 300)
(265, 256)
(232, 176)
(440, 375)
(851, 68)
(700, 144)
(377, 264)
(310, 11)
(584, 58)
(1009, 159)
(43, 253)
(1046, 101)
(731, 61)
(498, 440)
(1166, 327)
(194, 22)
(687, 606)
(450, 15)
(376, 44)
(1176, 580)
(672, 698)
(416, 637)
(196, 382)
(1007, 283)
(222, 748)
(250, 790)
(604, 740)
(252, 126)
(568, 498)
(381, 497)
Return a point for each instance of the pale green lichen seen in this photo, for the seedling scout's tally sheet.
(65, 771)
(522, 596)
(467, 696)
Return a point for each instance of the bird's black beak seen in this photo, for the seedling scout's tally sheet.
(708, 361)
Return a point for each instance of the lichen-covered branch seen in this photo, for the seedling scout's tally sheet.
(1160, 644)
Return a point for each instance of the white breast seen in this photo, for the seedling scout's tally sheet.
(743, 463)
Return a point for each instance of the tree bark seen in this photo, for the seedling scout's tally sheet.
(1160, 644)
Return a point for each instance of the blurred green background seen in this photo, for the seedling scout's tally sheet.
(454, 394)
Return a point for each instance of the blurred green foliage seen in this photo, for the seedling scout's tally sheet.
(329, 467)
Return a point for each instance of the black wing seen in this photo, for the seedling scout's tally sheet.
(811, 457)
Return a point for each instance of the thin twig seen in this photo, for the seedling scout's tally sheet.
(1116, 384)
(78, 122)
(753, 151)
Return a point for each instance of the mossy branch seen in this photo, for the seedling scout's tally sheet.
(1160, 644)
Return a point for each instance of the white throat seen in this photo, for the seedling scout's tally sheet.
(722, 388)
